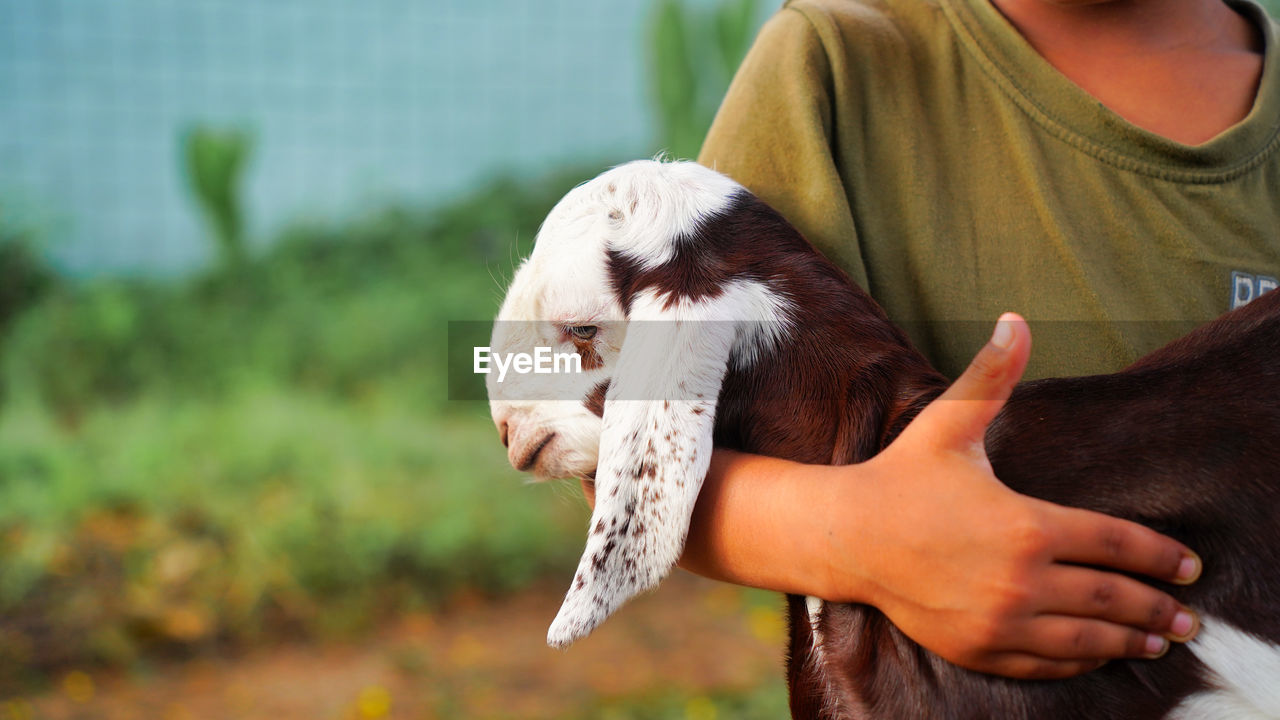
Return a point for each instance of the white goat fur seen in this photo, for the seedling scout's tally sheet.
(665, 361)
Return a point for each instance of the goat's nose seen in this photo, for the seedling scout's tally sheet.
(502, 432)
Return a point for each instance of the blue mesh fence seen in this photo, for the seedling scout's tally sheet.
(350, 104)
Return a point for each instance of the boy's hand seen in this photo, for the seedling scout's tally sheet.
(990, 579)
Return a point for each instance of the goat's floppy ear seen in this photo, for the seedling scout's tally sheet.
(655, 447)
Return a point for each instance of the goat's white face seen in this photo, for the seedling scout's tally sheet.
(555, 301)
(661, 354)
(560, 298)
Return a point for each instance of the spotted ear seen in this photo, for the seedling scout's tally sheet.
(655, 447)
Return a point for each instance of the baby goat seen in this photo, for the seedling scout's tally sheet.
(701, 318)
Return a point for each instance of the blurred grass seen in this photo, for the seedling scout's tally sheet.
(768, 702)
(263, 448)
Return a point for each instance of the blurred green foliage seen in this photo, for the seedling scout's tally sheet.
(692, 57)
(266, 446)
(182, 463)
(214, 165)
(24, 276)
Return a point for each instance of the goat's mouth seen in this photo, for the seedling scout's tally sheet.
(530, 456)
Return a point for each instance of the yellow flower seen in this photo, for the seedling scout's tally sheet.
(766, 625)
(78, 686)
(15, 710)
(374, 702)
(700, 708)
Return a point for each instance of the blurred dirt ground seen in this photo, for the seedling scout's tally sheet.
(475, 658)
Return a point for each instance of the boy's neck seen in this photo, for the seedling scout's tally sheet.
(1184, 69)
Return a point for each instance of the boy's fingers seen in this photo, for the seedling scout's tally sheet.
(1091, 538)
(985, 384)
(1114, 598)
(1068, 638)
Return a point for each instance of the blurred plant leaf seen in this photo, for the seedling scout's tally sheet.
(214, 161)
(734, 25)
(675, 79)
(692, 57)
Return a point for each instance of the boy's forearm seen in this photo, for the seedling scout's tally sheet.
(765, 523)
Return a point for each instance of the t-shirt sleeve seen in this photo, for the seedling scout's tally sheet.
(773, 134)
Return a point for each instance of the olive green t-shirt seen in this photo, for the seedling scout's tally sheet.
(927, 149)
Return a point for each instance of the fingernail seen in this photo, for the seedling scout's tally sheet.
(1156, 646)
(1184, 624)
(1188, 570)
(1003, 335)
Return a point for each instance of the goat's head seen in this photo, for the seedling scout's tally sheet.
(619, 280)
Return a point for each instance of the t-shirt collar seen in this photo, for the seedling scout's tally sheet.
(1073, 115)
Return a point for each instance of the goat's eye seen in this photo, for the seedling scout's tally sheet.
(582, 332)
